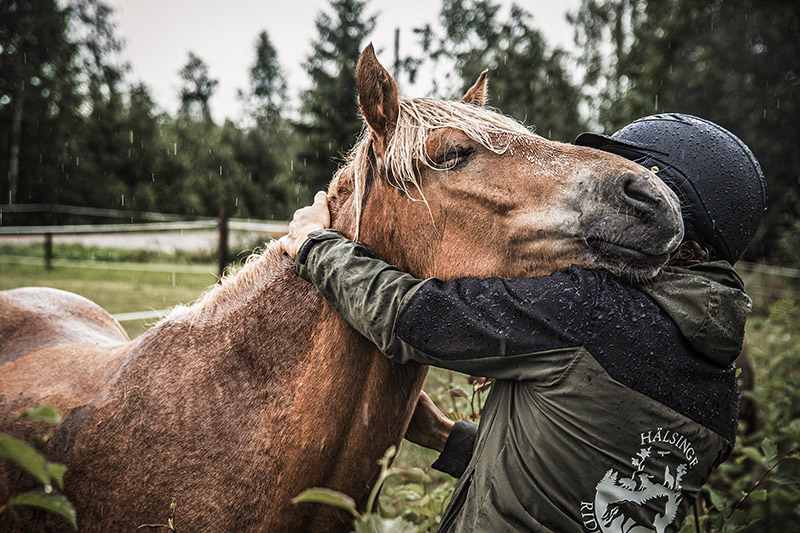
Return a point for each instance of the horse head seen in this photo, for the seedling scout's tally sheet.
(449, 189)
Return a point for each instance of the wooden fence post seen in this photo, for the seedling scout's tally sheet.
(222, 249)
(48, 251)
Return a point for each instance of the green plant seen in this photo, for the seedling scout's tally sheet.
(28, 459)
(758, 488)
(369, 521)
(411, 498)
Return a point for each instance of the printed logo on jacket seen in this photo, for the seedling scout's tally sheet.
(647, 497)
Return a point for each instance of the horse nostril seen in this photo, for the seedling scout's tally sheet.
(637, 193)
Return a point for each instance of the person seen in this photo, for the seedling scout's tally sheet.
(613, 400)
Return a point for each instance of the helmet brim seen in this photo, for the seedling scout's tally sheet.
(603, 142)
(593, 140)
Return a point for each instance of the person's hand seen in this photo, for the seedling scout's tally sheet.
(310, 218)
(428, 427)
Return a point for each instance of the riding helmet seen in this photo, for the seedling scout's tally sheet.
(717, 178)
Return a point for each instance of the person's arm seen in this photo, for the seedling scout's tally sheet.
(487, 327)
(429, 427)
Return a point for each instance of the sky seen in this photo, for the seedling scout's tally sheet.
(159, 34)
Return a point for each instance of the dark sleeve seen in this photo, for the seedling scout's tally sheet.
(458, 449)
(484, 327)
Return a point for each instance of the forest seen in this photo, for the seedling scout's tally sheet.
(75, 131)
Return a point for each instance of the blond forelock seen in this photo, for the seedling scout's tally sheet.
(417, 119)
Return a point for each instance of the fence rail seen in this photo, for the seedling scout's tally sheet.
(270, 228)
(163, 222)
(111, 265)
(89, 229)
(763, 268)
(96, 212)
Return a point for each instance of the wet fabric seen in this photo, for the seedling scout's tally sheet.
(603, 415)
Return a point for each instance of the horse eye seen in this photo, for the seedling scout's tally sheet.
(453, 157)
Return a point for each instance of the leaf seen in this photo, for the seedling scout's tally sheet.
(409, 474)
(410, 491)
(788, 480)
(770, 449)
(406, 495)
(792, 429)
(328, 497)
(25, 456)
(740, 520)
(421, 511)
(458, 392)
(718, 499)
(376, 524)
(53, 502)
(415, 475)
(56, 472)
(760, 495)
(752, 453)
(455, 417)
(44, 413)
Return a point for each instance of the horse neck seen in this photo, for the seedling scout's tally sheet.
(274, 331)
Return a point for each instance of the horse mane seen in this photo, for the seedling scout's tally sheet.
(417, 119)
(242, 283)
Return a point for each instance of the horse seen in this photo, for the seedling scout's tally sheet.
(237, 403)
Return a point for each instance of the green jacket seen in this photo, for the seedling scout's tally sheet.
(613, 402)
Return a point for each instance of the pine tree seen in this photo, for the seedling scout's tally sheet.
(105, 173)
(145, 182)
(526, 79)
(39, 101)
(262, 148)
(267, 80)
(331, 120)
(197, 90)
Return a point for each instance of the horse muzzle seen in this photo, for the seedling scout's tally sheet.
(637, 226)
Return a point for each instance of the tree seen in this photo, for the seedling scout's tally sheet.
(143, 179)
(263, 144)
(106, 176)
(197, 90)
(267, 81)
(526, 79)
(331, 120)
(732, 62)
(93, 30)
(39, 100)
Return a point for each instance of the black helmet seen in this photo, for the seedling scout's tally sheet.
(715, 175)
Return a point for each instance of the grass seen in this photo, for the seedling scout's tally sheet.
(78, 252)
(117, 291)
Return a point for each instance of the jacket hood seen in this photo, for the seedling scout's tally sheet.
(708, 303)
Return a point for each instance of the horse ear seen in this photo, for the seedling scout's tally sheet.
(477, 93)
(377, 95)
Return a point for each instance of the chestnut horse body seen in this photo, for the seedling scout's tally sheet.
(238, 403)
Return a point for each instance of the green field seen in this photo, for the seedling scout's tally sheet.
(121, 281)
(130, 281)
